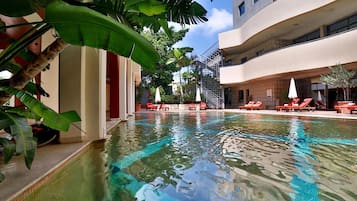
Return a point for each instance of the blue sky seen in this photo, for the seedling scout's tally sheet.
(204, 35)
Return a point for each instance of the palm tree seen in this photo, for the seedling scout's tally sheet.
(100, 24)
(180, 60)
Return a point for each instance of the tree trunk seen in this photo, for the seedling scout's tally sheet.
(27, 73)
(181, 92)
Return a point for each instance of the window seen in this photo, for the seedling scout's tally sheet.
(241, 96)
(260, 52)
(307, 37)
(241, 8)
(342, 25)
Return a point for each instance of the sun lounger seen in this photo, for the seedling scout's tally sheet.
(352, 108)
(151, 106)
(296, 107)
(203, 106)
(346, 108)
(255, 106)
(250, 103)
(192, 106)
(164, 107)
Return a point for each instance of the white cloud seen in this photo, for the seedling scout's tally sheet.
(219, 20)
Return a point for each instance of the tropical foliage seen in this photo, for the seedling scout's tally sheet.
(342, 78)
(164, 46)
(109, 25)
(180, 59)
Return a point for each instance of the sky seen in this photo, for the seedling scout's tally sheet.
(204, 35)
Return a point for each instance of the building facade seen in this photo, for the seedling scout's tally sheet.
(275, 40)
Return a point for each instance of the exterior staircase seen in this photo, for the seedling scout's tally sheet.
(210, 62)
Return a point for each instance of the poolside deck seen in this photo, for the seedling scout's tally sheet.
(316, 113)
(51, 157)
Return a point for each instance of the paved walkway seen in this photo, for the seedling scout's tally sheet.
(316, 113)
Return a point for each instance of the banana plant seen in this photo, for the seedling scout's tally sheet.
(103, 24)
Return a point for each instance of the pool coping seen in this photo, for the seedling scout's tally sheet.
(35, 184)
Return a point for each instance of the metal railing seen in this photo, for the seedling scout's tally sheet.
(212, 60)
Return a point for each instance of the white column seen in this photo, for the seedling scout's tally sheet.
(122, 88)
(70, 93)
(130, 86)
(102, 93)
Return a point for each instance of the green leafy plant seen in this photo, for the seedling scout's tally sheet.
(180, 59)
(342, 78)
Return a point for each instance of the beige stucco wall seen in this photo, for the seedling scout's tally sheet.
(258, 91)
(269, 16)
(50, 78)
(329, 51)
(70, 90)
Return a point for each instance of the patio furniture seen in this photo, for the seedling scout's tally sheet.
(352, 108)
(203, 106)
(150, 106)
(164, 107)
(250, 103)
(345, 107)
(296, 107)
(192, 106)
(255, 106)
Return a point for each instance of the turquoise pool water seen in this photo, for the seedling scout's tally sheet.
(205, 156)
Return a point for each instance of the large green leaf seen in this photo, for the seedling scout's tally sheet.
(82, 26)
(22, 112)
(25, 143)
(2, 177)
(50, 118)
(152, 7)
(178, 54)
(9, 149)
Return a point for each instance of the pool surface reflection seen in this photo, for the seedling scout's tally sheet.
(221, 156)
(206, 156)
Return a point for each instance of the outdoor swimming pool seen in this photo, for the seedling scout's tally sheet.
(204, 156)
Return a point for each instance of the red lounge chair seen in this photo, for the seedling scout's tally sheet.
(346, 108)
(164, 107)
(192, 106)
(250, 103)
(303, 106)
(252, 106)
(256, 106)
(151, 106)
(203, 106)
(352, 108)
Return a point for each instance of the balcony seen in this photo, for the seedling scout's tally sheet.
(285, 20)
(307, 56)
